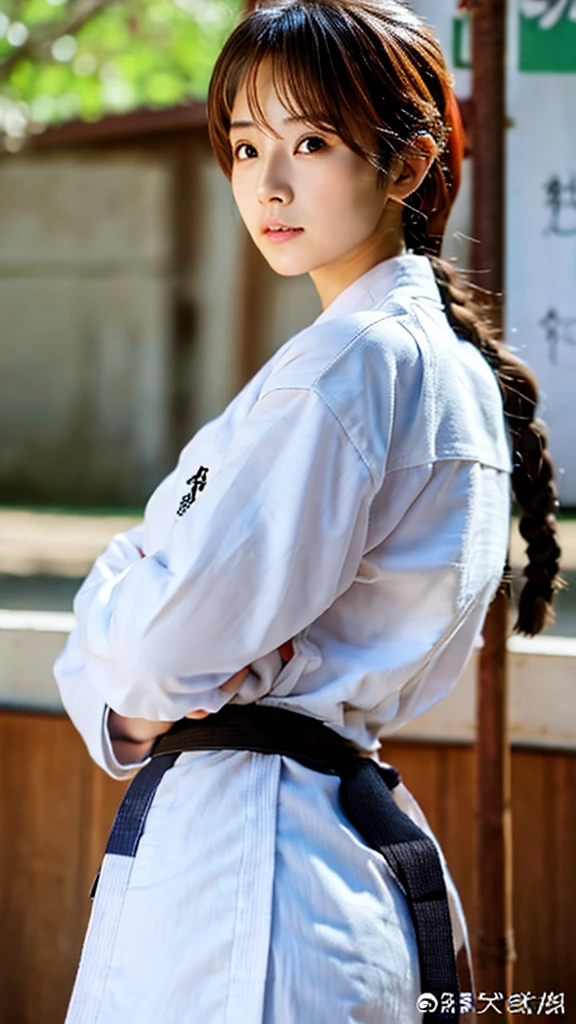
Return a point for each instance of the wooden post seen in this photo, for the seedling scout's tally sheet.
(253, 290)
(494, 940)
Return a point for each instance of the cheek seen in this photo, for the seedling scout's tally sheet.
(349, 196)
(236, 191)
(241, 193)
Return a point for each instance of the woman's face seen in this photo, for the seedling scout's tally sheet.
(311, 204)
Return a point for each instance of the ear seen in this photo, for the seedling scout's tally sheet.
(408, 172)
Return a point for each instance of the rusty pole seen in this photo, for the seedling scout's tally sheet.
(494, 939)
(254, 280)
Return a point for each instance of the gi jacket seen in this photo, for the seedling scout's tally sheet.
(355, 497)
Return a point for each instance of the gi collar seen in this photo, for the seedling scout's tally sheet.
(409, 272)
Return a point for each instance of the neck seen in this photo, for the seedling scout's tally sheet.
(386, 241)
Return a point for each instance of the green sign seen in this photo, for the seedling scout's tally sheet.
(461, 55)
(548, 35)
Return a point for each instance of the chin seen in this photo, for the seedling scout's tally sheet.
(286, 267)
(288, 271)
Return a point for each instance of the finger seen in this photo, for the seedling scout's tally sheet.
(235, 682)
(286, 651)
(231, 685)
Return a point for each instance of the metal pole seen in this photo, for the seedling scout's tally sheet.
(494, 945)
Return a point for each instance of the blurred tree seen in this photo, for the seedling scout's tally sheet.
(61, 59)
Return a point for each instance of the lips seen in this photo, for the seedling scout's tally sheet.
(276, 231)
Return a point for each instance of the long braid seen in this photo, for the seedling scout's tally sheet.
(424, 218)
(533, 471)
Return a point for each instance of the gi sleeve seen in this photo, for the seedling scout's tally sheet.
(85, 705)
(272, 540)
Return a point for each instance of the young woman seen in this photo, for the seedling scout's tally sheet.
(323, 554)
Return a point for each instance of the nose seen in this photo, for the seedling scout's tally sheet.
(274, 184)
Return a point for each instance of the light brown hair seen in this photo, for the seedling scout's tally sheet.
(373, 72)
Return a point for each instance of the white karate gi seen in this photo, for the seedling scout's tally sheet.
(355, 496)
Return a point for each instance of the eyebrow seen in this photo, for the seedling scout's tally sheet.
(285, 120)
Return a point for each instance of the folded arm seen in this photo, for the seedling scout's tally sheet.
(275, 537)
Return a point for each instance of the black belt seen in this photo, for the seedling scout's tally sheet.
(365, 791)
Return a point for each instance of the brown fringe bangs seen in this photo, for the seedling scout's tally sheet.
(341, 66)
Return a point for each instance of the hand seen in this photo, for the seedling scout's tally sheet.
(135, 730)
(132, 737)
(233, 684)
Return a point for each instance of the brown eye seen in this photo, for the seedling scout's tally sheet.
(244, 151)
(311, 144)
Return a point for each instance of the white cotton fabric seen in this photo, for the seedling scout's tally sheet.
(357, 500)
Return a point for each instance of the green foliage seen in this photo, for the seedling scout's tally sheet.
(61, 59)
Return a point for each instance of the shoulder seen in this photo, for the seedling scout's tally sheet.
(325, 349)
(357, 365)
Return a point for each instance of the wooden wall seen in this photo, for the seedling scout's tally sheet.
(544, 843)
(56, 809)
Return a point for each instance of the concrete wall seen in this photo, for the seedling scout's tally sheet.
(84, 297)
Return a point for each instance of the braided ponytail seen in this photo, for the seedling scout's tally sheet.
(533, 471)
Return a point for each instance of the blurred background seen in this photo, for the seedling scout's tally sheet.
(133, 306)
